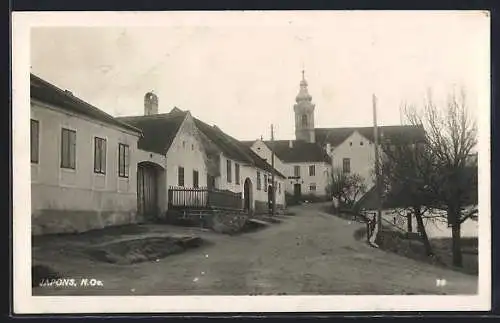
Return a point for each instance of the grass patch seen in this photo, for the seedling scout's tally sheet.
(397, 242)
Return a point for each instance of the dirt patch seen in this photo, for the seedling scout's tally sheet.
(94, 235)
(145, 249)
(251, 226)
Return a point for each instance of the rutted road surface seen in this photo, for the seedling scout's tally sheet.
(308, 253)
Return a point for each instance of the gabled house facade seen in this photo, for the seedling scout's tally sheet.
(83, 164)
(198, 155)
(305, 165)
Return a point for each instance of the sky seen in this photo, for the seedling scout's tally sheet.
(241, 71)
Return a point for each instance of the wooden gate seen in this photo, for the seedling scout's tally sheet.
(147, 191)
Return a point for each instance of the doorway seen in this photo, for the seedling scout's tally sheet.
(247, 195)
(297, 192)
(147, 190)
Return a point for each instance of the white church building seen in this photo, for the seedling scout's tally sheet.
(315, 152)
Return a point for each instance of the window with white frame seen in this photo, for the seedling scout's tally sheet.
(99, 155)
(123, 160)
(68, 148)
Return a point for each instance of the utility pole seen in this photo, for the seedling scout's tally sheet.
(378, 227)
(273, 210)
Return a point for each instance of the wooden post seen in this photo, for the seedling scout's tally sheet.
(377, 171)
(272, 174)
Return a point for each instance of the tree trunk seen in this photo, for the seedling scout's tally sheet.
(423, 233)
(408, 220)
(456, 244)
(454, 219)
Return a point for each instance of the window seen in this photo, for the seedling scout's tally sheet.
(180, 176)
(258, 181)
(183, 144)
(265, 183)
(361, 143)
(99, 155)
(312, 187)
(229, 179)
(68, 148)
(350, 144)
(279, 188)
(304, 120)
(296, 171)
(346, 165)
(312, 170)
(123, 160)
(195, 179)
(237, 173)
(34, 135)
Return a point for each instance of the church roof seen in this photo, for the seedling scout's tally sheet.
(394, 134)
(300, 151)
(159, 130)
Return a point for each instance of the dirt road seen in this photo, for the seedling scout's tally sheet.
(309, 253)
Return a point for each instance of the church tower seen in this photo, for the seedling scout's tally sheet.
(304, 113)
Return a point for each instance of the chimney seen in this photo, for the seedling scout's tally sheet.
(290, 143)
(150, 104)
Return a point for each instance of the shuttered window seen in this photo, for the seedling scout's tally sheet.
(229, 175)
(346, 165)
(258, 181)
(237, 173)
(296, 171)
(312, 170)
(180, 176)
(99, 155)
(123, 160)
(68, 148)
(195, 179)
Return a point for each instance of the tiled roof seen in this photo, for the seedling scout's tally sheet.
(234, 148)
(300, 151)
(158, 130)
(395, 134)
(49, 93)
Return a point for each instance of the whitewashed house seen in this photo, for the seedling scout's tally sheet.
(83, 164)
(200, 157)
(308, 160)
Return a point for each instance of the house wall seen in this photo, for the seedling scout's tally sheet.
(261, 149)
(259, 196)
(362, 156)
(66, 200)
(322, 171)
(186, 151)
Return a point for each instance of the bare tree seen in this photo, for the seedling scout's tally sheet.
(451, 175)
(345, 187)
(404, 171)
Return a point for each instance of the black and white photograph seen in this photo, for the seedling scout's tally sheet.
(230, 161)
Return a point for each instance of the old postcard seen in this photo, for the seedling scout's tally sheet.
(251, 161)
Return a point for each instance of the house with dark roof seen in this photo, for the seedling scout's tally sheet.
(83, 163)
(200, 155)
(306, 165)
(348, 149)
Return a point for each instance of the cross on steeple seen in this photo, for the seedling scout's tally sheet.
(303, 77)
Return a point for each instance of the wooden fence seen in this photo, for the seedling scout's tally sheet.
(202, 198)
